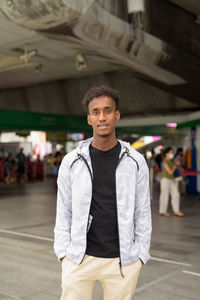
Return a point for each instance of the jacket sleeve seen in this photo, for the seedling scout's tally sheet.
(142, 217)
(62, 228)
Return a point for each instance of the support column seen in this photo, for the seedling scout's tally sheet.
(198, 155)
(192, 180)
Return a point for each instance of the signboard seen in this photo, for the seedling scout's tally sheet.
(21, 120)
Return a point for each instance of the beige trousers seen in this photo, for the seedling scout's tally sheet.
(169, 187)
(78, 280)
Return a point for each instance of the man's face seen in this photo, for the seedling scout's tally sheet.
(102, 115)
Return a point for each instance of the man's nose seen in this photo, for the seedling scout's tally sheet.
(102, 116)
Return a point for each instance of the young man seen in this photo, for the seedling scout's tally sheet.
(103, 223)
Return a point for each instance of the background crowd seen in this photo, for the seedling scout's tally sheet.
(20, 168)
(166, 166)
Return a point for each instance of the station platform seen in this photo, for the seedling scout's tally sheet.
(29, 270)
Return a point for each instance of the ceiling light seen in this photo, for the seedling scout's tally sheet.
(171, 124)
(135, 6)
(28, 54)
(80, 61)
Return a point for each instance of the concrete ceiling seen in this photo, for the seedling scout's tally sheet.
(192, 6)
(57, 58)
(39, 44)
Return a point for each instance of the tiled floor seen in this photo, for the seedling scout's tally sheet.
(29, 269)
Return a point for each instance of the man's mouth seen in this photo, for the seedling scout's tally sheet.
(102, 126)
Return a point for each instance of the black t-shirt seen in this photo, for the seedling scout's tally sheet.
(102, 237)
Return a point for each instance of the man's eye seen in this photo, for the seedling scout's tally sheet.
(95, 113)
(108, 110)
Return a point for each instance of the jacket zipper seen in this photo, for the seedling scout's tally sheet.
(120, 263)
(88, 167)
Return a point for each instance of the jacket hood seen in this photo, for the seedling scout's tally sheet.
(83, 146)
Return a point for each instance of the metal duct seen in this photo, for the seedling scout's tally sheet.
(45, 14)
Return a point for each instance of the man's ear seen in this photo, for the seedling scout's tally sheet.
(117, 115)
(88, 119)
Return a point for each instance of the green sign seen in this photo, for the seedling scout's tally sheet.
(21, 120)
(192, 123)
(154, 130)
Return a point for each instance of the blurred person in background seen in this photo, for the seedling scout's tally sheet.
(150, 159)
(62, 153)
(8, 168)
(14, 170)
(159, 159)
(55, 163)
(179, 158)
(21, 159)
(1, 154)
(169, 186)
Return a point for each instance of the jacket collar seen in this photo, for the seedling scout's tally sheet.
(83, 147)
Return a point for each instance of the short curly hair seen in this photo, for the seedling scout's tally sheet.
(98, 91)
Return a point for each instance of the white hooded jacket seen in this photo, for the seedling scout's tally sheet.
(74, 197)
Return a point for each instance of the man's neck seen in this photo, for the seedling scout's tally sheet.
(104, 143)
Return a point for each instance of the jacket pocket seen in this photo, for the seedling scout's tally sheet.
(89, 222)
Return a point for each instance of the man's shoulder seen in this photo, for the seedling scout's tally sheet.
(136, 154)
(139, 158)
(133, 152)
(69, 157)
(82, 147)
